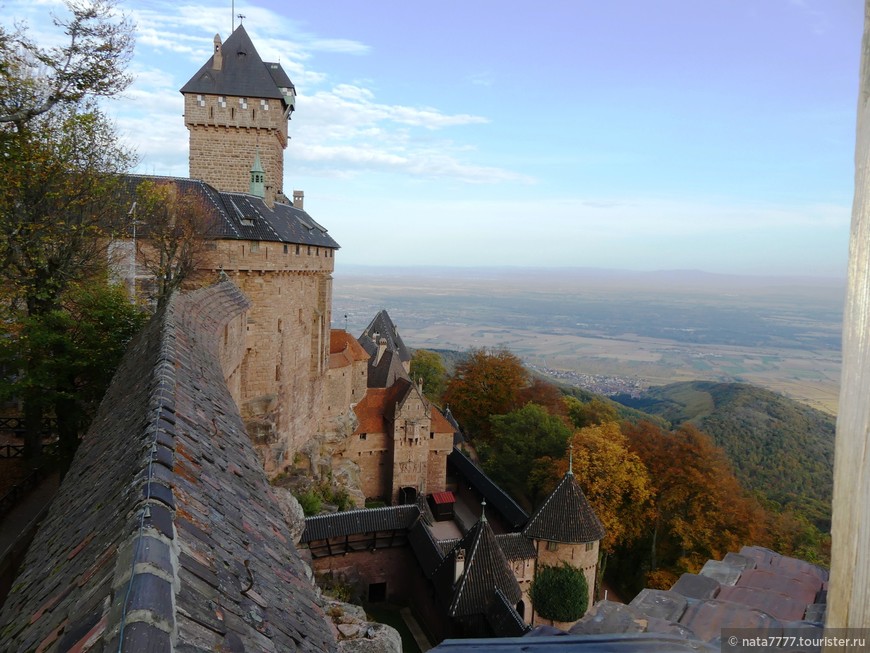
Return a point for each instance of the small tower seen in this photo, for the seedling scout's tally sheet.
(234, 105)
(566, 529)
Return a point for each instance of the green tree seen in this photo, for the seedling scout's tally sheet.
(522, 443)
(590, 413)
(428, 366)
(486, 382)
(560, 593)
(71, 354)
(59, 159)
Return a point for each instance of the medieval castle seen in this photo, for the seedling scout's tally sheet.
(166, 534)
(318, 397)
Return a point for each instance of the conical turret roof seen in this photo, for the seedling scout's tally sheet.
(565, 516)
(486, 570)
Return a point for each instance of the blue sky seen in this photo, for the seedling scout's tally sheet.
(690, 134)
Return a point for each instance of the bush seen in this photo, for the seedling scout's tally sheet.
(311, 502)
(560, 593)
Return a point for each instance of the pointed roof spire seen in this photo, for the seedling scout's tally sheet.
(483, 510)
(571, 459)
(565, 516)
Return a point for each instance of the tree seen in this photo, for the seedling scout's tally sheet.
(59, 160)
(590, 413)
(560, 593)
(428, 366)
(522, 443)
(91, 63)
(486, 382)
(175, 225)
(71, 354)
(614, 480)
(57, 206)
(544, 394)
(700, 510)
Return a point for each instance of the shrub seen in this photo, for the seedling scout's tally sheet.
(311, 502)
(560, 593)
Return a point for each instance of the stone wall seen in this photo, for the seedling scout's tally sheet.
(575, 555)
(216, 128)
(280, 380)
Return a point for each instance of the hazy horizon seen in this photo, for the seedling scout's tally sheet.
(669, 135)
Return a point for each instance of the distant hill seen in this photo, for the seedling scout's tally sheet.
(779, 448)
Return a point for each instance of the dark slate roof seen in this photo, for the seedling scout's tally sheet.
(240, 216)
(486, 570)
(515, 546)
(427, 550)
(382, 326)
(495, 497)
(565, 516)
(165, 525)
(639, 643)
(504, 619)
(242, 73)
(458, 436)
(365, 520)
(387, 371)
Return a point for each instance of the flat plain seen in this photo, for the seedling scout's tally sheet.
(632, 328)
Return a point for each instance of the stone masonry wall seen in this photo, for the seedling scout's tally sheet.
(287, 331)
(577, 556)
(219, 127)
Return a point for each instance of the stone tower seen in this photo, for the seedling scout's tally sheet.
(235, 107)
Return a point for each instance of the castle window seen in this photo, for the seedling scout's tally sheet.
(264, 105)
(211, 112)
(362, 436)
(277, 372)
(297, 250)
(590, 546)
(232, 113)
(280, 325)
(222, 101)
(317, 251)
(255, 246)
(243, 102)
(552, 546)
(285, 249)
(309, 250)
(200, 100)
(253, 113)
(431, 435)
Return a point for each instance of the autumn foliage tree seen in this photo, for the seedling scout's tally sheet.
(486, 382)
(700, 510)
(175, 226)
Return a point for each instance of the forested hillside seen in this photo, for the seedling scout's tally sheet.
(778, 447)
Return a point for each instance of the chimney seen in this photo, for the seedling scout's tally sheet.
(382, 347)
(299, 199)
(218, 61)
(459, 567)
